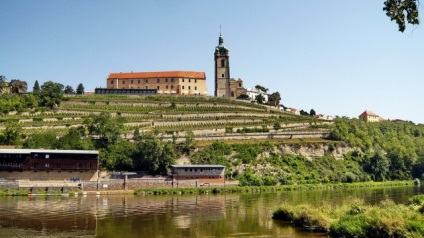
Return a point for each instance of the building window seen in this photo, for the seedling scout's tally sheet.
(195, 87)
(111, 81)
(172, 80)
(239, 84)
(132, 81)
(158, 80)
(222, 75)
(222, 63)
(123, 82)
(166, 86)
(182, 87)
(172, 86)
(166, 80)
(195, 81)
(189, 80)
(189, 87)
(139, 81)
(183, 80)
(147, 80)
(158, 87)
(147, 87)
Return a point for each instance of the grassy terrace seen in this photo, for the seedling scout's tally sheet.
(163, 113)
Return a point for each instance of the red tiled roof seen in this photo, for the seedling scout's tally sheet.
(162, 74)
(368, 113)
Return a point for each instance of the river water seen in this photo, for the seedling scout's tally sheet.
(229, 215)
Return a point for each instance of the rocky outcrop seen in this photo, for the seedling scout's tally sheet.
(316, 150)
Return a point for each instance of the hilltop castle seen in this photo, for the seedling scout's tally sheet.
(178, 82)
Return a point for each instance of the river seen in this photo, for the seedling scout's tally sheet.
(228, 215)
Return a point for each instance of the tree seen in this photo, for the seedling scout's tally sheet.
(378, 166)
(105, 127)
(312, 112)
(69, 90)
(274, 99)
(396, 10)
(277, 126)
(51, 94)
(44, 139)
(302, 112)
(80, 89)
(260, 99)
(12, 134)
(154, 154)
(36, 89)
(189, 142)
(18, 86)
(2, 78)
(262, 88)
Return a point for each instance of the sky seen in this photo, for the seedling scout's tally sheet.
(337, 57)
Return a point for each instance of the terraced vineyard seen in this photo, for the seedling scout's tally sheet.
(205, 116)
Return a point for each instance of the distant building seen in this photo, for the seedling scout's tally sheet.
(199, 174)
(253, 93)
(236, 88)
(165, 82)
(369, 116)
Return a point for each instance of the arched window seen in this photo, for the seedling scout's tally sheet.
(222, 63)
(232, 93)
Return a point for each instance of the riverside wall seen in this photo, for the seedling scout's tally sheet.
(106, 185)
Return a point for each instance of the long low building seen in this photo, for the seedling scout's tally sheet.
(199, 174)
(38, 164)
(166, 82)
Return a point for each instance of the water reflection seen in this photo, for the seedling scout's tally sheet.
(231, 215)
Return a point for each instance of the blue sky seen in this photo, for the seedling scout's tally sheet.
(337, 57)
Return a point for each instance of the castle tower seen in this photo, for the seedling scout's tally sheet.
(222, 70)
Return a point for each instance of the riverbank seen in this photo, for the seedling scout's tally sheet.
(208, 190)
(254, 189)
(356, 219)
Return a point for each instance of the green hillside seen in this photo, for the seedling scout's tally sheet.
(260, 145)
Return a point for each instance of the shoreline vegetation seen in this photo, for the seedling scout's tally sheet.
(215, 190)
(356, 219)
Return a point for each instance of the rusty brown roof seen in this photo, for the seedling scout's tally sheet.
(161, 74)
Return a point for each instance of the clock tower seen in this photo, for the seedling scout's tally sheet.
(222, 70)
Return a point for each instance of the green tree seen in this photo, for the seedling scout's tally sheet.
(69, 90)
(304, 113)
(277, 126)
(118, 155)
(260, 99)
(154, 154)
(312, 112)
(274, 99)
(189, 142)
(51, 94)
(262, 88)
(105, 127)
(12, 135)
(41, 140)
(378, 166)
(402, 11)
(75, 139)
(36, 89)
(80, 89)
